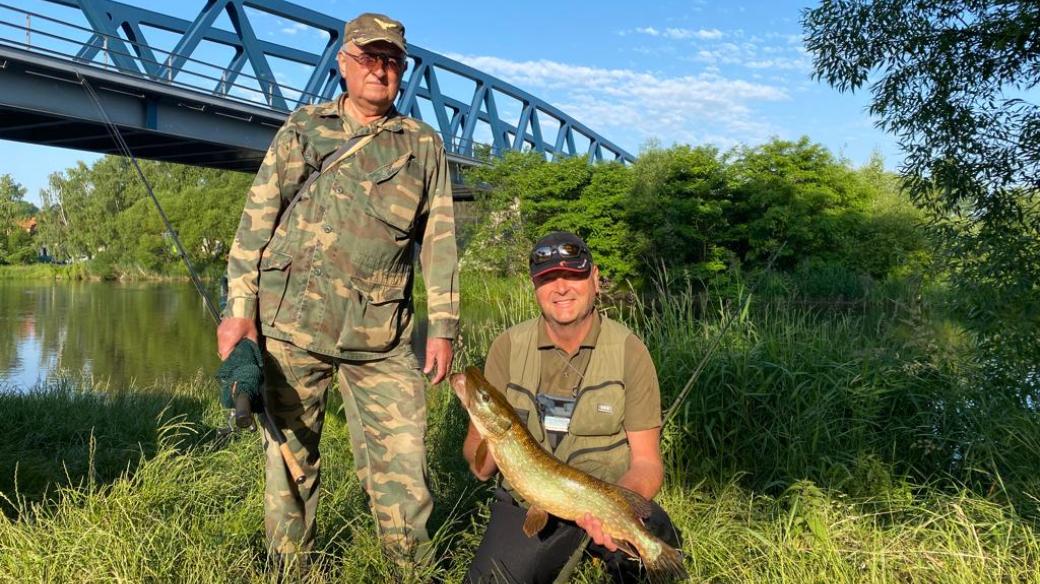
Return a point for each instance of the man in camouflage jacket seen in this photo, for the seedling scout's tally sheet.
(325, 267)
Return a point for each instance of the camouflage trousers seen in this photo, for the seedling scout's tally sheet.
(385, 406)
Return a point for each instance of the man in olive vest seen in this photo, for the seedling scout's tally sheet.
(545, 366)
(322, 260)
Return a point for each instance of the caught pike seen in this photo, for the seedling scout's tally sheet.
(550, 486)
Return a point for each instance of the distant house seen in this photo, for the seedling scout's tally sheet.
(29, 225)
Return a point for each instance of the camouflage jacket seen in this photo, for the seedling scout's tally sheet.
(333, 273)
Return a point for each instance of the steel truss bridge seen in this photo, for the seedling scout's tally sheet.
(210, 92)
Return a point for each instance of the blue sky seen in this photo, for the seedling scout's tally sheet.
(692, 71)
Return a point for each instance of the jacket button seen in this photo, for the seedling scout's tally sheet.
(327, 228)
(317, 272)
(338, 189)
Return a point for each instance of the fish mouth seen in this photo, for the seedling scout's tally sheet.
(458, 384)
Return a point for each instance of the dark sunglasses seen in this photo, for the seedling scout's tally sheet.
(372, 60)
(564, 251)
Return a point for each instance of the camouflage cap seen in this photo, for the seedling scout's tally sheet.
(370, 27)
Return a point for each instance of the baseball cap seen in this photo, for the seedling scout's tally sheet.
(560, 251)
(370, 27)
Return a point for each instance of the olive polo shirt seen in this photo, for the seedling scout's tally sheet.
(562, 373)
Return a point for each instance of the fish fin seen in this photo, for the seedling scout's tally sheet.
(667, 566)
(535, 521)
(627, 547)
(640, 507)
(480, 457)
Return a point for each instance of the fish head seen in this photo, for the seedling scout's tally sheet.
(487, 407)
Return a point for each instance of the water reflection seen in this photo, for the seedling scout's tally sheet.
(133, 333)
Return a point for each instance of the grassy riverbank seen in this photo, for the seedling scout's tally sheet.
(38, 272)
(819, 445)
(94, 272)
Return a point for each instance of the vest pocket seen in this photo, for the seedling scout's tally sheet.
(274, 281)
(604, 457)
(599, 411)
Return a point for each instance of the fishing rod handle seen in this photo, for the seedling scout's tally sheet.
(243, 411)
(295, 470)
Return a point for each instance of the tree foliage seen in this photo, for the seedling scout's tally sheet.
(702, 213)
(102, 213)
(530, 197)
(676, 208)
(16, 245)
(956, 82)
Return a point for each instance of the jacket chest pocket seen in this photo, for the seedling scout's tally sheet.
(599, 411)
(395, 193)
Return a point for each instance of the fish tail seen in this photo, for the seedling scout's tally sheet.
(667, 566)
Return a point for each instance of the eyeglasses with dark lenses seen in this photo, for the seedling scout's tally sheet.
(372, 60)
(564, 251)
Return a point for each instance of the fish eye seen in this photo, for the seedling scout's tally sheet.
(483, 396)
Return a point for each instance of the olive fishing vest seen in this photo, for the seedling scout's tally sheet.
(595, 441)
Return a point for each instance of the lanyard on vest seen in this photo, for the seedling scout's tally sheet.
(555, 414)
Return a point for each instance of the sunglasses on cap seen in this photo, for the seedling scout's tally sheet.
(563, 251)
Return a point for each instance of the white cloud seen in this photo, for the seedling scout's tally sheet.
(629, 106)
(780, 63)
(295, 27)
(681, 33)
(292, 28)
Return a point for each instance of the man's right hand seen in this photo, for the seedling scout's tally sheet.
(233, 330)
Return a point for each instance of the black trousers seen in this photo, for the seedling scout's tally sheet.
(507, 556)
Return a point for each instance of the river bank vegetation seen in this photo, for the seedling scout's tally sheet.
(869, 416)
(849, 428)
(820, 444)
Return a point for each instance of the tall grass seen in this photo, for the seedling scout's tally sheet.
(37, 272)
(817, 446)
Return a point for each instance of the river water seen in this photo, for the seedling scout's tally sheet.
(125, 334)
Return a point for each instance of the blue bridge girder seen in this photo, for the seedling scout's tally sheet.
(175, 104)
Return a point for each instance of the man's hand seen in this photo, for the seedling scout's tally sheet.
(233, 330)
(438, 358)
(594, 527)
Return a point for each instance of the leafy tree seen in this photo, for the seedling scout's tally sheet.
(891, 240)
(529, 197)
(75, 222)
(699, 213)
(499, 242)
(953, 87)
(20, 248)
(16, 245)
(102, 212)
(795, 195)
(955, 81)
(678, 207)
(11, 194)
(598, 216)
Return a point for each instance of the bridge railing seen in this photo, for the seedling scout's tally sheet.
(475, 113)
(58, 40)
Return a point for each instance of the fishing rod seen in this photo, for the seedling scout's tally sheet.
(117, 136)
(243, 413)
(717, 341)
